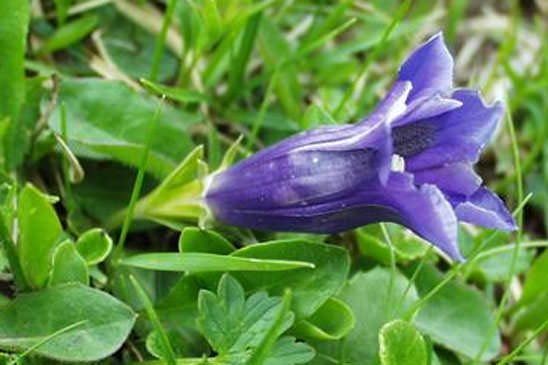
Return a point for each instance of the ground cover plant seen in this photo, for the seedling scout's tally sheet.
(141, 223)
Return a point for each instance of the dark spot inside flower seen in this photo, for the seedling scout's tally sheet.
(412, 139)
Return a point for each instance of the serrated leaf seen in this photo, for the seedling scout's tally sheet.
(236, 326)
(289, 352)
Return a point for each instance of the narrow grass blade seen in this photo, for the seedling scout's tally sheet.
(168, 349)
(204, 262)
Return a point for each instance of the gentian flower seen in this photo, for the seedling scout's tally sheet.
(409, 162)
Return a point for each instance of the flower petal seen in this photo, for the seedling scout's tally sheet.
(456, 136)
(424, 210)
(456, 178)
(486, 209)
(429, 68)
(427, 107)
(320, 170)
(393, 105)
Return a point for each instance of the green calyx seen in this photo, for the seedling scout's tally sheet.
(178, 200)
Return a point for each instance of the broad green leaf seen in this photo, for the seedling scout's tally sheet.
(535, 280)
(533, 314)
(457, 316)
(15, 16)
(106, 119)
(131, 47)
(533, 304)
(332, 321)
(495, 268)
(68, 266)
(401, 344)
(198, 240)
(407, 246)
(204, 262)
(106, 191)
(94, 245)
(39, 231)
(154, 344)
(106, 322)
(236, 326)
(376, 297)
(70, 33)
(325, 280)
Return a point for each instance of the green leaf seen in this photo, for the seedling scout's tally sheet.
(106, 119)
(275, 50)
(325, 280)
(535, 280)
(177, 94)
(70, 33)
(286, 351)
(68, 266)
(457, 316)
(532, 306)
(167, 352)
(376, 297)
(204, 262)
(193, 239)
(61, 8)
(94, 245)
(332, 321)
(401, 344)
(533, 314)
(106, 323)
(235, 326)
(15, 16)
(19, 131)
(39, 231)
(132, 48)
(316, 116)
(155, 347)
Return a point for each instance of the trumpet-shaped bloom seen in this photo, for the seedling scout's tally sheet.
(332, 179)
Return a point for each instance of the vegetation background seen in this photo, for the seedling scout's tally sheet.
(85, 133)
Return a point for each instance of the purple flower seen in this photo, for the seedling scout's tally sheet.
(336, 178)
